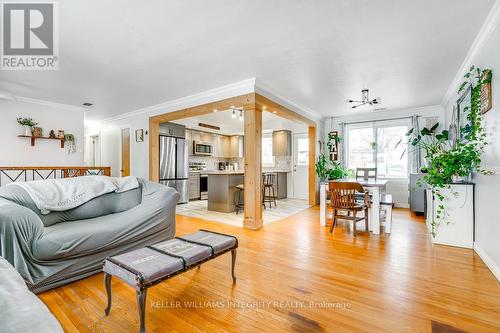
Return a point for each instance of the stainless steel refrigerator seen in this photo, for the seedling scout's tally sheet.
(174, 165)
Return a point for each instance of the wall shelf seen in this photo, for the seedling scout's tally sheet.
(34, 138)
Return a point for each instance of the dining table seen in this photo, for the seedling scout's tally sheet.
(374, 186)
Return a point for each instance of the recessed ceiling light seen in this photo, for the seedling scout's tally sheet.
(275, 112)
(232, 106)
(264, 107)
(87, 104)
(215, 110)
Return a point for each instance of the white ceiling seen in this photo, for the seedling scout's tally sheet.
(127, 55)
(230, 126)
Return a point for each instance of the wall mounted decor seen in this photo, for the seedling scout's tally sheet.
(37, 132)
(139, 135)
(486, 93)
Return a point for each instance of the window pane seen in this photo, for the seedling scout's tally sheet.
(267, 151)
(303, 151)
(389, 161)
(360, 148)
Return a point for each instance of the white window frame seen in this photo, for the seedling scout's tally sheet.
(272, 164)
(376, 125)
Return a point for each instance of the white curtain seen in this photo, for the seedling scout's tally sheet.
(415, 154)
(343, 145)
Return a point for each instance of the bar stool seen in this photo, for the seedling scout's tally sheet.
(268, 182)
(240, 204)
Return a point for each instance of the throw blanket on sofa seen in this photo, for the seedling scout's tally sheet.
(68, 193)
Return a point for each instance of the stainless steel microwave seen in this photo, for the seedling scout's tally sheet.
(202, 148)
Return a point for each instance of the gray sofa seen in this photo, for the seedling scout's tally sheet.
(21, 309)
(61, 247)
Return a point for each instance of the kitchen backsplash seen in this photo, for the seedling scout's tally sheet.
(281, 163)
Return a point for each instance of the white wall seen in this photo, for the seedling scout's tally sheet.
(486, 55)
(397, 187)
(19, 152)
(109, 130)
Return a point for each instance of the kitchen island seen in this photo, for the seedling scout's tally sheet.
(222, 191)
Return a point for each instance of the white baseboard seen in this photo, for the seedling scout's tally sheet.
(488, 261)
(401, 205)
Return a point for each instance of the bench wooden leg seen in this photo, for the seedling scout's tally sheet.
(141, 303)
(233, 262)
(107, 283)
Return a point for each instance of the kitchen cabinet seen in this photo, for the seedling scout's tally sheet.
(282, 143)
(222, 146)
(172, 129)
(194, 185)
(236, 146)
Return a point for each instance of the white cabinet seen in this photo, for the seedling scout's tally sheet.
(282, 143)
(222, 146)
(236, 146)
(457, 229)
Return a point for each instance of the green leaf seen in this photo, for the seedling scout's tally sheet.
(433, 128)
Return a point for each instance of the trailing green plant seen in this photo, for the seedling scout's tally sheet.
(336, 171)
(328, 169)
(322, 167)
(70, 142)
(447, 159)
(26, 121)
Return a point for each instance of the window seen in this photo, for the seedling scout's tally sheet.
(376, 145)
(303, 151)
(267, 151)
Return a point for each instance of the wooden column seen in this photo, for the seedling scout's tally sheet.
(154, 150)
(312, 165)
(253, 167)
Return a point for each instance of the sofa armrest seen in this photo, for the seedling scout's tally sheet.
(20, 228)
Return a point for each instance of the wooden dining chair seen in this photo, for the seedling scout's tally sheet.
(366, 173)
(343, 199)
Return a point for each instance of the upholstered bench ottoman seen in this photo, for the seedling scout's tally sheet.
(151, 265)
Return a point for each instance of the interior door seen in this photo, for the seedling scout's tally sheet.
(125, 169)
(300, 169)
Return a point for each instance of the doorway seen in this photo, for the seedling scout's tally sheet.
(300, 170)
(125, 168)
(94, 151)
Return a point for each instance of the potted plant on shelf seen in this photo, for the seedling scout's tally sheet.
(27, 124)
(454, 160)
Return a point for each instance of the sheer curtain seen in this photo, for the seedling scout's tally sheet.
(415, 154)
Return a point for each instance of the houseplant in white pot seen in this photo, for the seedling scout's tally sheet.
(453, 161)
(27, 124)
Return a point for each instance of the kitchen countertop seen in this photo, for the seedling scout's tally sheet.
(236, 172)
(224, 172)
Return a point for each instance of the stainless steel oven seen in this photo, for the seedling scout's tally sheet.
(202, 148)
(203, 186)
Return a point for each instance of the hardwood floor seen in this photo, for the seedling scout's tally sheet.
(396, 283)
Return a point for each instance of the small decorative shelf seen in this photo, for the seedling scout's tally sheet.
(34, 138)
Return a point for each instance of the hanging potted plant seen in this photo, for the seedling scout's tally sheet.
(451, 161)
(27, 124)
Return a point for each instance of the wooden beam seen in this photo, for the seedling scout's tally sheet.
(253, 167)
(312, 166)
(199, 110)
(265, 104)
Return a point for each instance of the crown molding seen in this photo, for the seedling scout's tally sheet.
(48, 103)
(208, 96)
(487, 29)
(265, 91)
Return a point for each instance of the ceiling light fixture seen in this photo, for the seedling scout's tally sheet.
(215, 110)
(87, 104)
(275, 112)
(365, 99)
(241, 115)
(234, 114)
